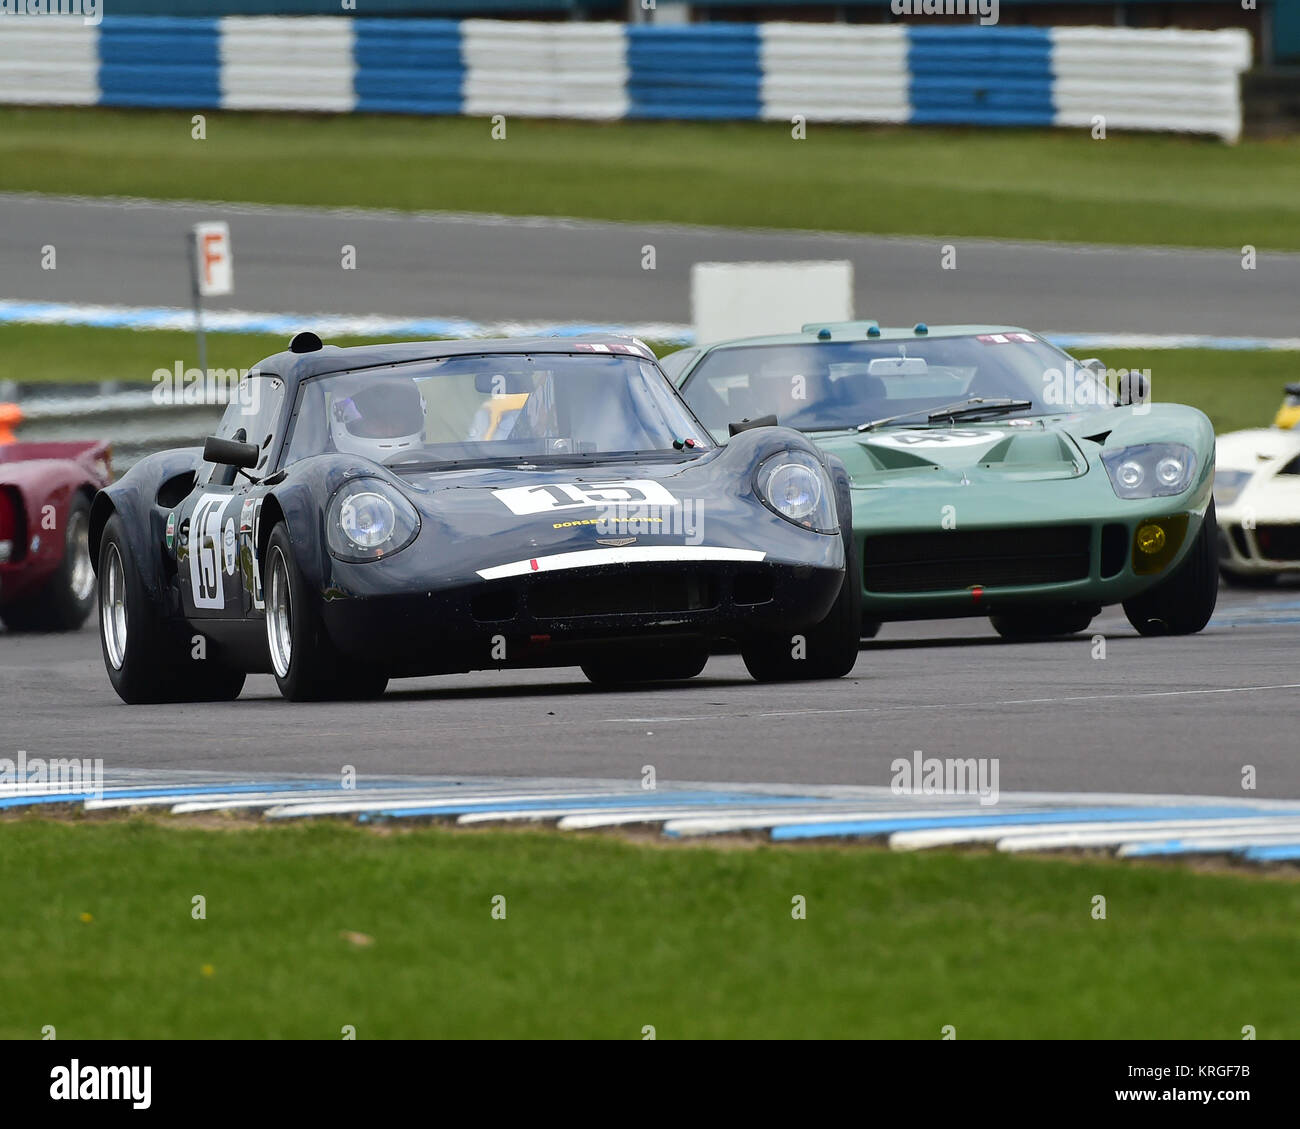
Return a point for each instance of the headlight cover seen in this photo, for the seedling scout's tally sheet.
(1150, 470)
(367, 520)
(796, 486)
(1228, 484)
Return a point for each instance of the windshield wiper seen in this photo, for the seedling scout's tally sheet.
(976, 405)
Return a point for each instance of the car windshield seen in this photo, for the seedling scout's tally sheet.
(824, 387)
(495, 407)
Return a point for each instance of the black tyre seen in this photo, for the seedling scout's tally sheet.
(1182, 603)
(829, 650)
(67, 598)
(304, 660)
(147, 658)
(1247, 579)
(870, 629)
(1043, 623)
(668, 663)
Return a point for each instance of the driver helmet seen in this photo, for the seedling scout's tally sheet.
(378, 419)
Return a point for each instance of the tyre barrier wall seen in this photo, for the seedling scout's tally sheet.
(1132, 79)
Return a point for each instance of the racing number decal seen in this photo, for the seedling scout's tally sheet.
(206, 586)
(954, 437)
(527, 500)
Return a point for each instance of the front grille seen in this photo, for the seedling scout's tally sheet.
(1278, 542)
(991, 558)
(640, 594)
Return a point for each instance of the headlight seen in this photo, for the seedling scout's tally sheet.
(1150, 470)
(1228, 484)
(368, 519)
(796, 486)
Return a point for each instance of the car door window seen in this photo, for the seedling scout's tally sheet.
(251, 418)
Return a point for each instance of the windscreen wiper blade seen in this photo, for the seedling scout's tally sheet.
(980, 408)
(939, 413)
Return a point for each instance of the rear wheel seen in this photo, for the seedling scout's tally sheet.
(66, 599)
(673, 663)
(1042, 623)
(306, 664)
(1183, 602)
(149, 659)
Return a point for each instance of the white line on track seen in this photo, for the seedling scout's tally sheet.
(942, 705)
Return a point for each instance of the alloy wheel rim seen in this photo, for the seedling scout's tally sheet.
(112, 607)
(83, 576)
(279, 631)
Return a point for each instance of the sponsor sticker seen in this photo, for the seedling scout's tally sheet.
(1005, 338)
(947, 438)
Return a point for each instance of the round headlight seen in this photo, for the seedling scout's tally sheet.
(1169, 470)
(794, 490)
(367, 519)
(1130, 474)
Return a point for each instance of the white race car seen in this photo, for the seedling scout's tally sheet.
(1257, 496)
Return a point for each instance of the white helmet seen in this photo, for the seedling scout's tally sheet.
(379, 419)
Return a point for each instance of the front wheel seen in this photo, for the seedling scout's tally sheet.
(1042, 623)
(1183, 602)
(663, 664)
(829, 650)
(306, 665)
(1247, 579)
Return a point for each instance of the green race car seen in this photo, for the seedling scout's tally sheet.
(991, 473)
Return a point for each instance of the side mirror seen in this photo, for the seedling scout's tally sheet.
(748, 424)
(230, 452)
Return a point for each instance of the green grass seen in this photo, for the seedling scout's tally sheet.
(604, 936)
(1022, 184)
(78, 354)
(1234, 388)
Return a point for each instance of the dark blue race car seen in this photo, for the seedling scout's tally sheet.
(434, 507)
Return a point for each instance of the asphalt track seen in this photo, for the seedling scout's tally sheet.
(492, 269)
(1176, 716)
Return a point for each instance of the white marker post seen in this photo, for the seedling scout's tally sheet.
(212, 272)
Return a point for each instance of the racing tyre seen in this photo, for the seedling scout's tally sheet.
(66, 599)
(664, 664)
(1248, 579)
(1182, 603)
(147, 658)
(831, 648)
(306, 665)
(1042, 623)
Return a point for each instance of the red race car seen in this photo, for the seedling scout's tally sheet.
(46, 582)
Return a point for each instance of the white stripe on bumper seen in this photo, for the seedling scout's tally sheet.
(590, 558)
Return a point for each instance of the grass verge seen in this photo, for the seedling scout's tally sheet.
(313, 927)
(1016, 184)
